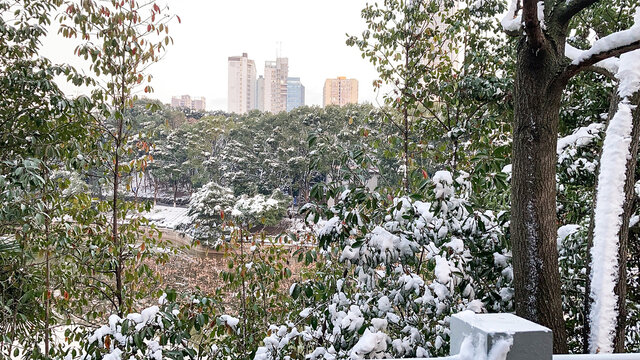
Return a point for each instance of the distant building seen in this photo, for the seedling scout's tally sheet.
(295, 93)
(260, 93)
(199, 104)
(275, 85)
(340, 91)
(185, 101)
(241, 85)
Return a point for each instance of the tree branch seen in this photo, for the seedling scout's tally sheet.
(598, 53)
(607, 67)
(574, 7)
(532, 27)
(601, 71)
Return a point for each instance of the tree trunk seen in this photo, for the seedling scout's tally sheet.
(533, 196)
(586, 325)
(155, 191)
(114, 225)
(175, 192)
(623, 240)
(623, 252)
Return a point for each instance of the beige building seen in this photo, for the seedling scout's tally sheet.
(275, 85)
(340, 91)
(241, 85)
(185, 101)
(199, 103)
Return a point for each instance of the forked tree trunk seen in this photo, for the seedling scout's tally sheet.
(533, 196)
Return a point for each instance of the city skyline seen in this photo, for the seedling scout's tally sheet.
(197, 103)
(210, 32)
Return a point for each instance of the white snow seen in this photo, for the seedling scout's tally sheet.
(540, 8)
(328, 227)
(253, 206)
(512, 21)
(305, 313)
(610, 64)
(168, 217)
(230, 320)
(442, 270)
(565, 231)
(629, 71)
(371, 345)
(610, 199)
(476, 306)
(476, 349)
(581, 137)
(443, 181)
(613, 41)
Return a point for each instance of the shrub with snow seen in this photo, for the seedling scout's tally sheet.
(389, 274)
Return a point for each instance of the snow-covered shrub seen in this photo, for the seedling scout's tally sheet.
(213, 205)
(176, 328)
(390, 272)
(260, 209)
(208, 207)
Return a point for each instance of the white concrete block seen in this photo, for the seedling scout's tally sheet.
(530, 340)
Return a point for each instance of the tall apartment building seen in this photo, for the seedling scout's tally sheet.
(260, 93)
(242, 84)
(275, 85)
(185, 101)
(340, 91)
(295, 93)
(199, 103)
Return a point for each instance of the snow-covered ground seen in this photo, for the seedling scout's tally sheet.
(168, 217)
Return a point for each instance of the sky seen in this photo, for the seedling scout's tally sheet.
(311, 34)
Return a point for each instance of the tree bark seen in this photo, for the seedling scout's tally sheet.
(538, 95)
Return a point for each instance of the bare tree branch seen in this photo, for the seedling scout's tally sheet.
(572, 8)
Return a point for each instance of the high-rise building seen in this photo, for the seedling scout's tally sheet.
(275, 85)
(340, 91)
(295, 93)
(185, 101)
(260, 93)
(199, 103)
(241, 85)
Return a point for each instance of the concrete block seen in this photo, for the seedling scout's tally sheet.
(530, 340)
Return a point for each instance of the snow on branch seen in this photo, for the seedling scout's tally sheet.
(610, 64)
(609, 209)
(512, 20)
(580, 137)
(609, 46)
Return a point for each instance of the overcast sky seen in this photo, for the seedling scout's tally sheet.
(312, 34)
